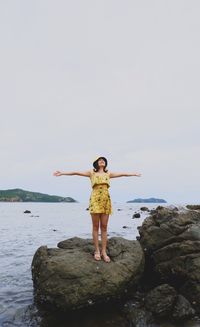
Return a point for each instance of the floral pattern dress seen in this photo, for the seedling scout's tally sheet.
(100, 201)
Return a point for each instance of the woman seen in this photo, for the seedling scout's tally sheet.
(100, 206)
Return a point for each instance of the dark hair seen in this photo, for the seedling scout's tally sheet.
(96, 166)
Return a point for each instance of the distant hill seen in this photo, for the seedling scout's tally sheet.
(149, 200)
(19, 195)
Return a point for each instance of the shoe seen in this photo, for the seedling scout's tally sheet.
(97, 256)
(106, 258)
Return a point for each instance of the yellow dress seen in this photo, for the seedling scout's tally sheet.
(100, 201)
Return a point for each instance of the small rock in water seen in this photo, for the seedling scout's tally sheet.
(125, 227)
(87, 209)
(136, 215)
(27, 211)
(144, 209)
(119, 209)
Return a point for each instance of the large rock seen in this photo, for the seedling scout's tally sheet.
(171, 241)
(68, 277)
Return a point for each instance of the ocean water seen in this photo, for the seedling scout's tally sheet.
(48, 223)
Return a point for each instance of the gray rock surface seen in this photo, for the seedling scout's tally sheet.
(69, 278)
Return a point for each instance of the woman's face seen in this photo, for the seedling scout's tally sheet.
(101, 163)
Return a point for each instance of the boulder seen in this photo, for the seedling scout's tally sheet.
(182, 309)
(191, 290)
(68, 277)
(161, 300)
(171, 242)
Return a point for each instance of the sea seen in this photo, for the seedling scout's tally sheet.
(21, 234)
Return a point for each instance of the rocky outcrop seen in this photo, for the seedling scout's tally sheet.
(69, 278)
(171, 242)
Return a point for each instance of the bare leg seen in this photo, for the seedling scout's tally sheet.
(95, 230)
(104, 224)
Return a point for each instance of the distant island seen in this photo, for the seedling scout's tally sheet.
(19, 195)
(149, 200)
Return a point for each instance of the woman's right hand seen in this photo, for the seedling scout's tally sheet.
(57, 173)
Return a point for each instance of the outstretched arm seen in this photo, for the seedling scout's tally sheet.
(113, 175)
(79, 173)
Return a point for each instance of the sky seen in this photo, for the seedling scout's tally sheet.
(120, 79)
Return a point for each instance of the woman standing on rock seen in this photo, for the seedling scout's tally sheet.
(100, 206)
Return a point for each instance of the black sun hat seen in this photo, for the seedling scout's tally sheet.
(95, 161)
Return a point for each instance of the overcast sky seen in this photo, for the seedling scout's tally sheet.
(115, 78)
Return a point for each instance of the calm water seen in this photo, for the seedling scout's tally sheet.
(20, 236)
